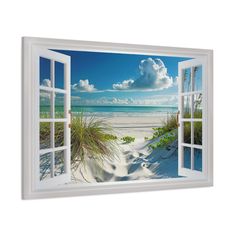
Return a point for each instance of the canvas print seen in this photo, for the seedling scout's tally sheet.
(131, 117)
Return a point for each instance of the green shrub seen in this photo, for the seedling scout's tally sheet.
(165, 140)
(91, 138)
(128, 139)
(166, 134)
(169, 125)
(110, 137)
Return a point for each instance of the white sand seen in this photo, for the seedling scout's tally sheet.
(135, 160)
(137, 127)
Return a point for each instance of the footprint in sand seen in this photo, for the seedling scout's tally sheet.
(144, 165)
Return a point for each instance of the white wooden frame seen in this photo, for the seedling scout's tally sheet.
(38, 52)
(190, 173)
(29, 119)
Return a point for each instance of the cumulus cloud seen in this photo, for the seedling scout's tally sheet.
(46, 83)
(153, 76)
(83, 86)
(126, 84)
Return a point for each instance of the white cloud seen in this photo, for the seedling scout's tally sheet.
(156, 100)
(153, 76)
(46, 83)
(83, 86)
(126, 84)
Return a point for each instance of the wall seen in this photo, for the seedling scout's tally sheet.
(198, 24)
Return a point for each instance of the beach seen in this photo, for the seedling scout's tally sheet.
(135, 161)
(139, 126)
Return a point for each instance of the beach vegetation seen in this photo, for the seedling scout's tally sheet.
(165, 140)
(128, 139)
(169, 125)
(91, 138)
(168, 132)
(165, 134)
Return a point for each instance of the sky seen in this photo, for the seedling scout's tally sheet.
(99, 78)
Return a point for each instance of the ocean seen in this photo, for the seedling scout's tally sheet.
(110, 111)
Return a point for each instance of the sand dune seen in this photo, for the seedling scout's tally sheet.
(136, 160)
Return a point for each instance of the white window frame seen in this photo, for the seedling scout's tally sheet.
(53, 181)
(28, 119)
(191, 173)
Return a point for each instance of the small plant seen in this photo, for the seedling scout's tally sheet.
(110, 137)
(165, 140)
(128, 139)
(146, 138)
(166, 134)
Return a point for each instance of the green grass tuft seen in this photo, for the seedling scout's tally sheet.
(128, 139)
(91, 138)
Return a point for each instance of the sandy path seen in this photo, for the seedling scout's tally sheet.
(134, 158)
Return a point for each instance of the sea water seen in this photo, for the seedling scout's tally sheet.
(112, 111)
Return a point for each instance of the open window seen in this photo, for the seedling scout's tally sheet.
(124, 136)
(191, 158)
(52, 162)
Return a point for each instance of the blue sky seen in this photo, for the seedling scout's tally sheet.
(120, 79)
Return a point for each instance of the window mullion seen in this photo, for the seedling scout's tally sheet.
(52, 126)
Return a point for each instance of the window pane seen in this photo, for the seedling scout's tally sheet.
(197, 78)
(187, 80)
(45, 166)
(45, 72)
(59, 105)
(197, 159)
(59, 134)
(187, 132)
(59, 163)
(197, 133)
(187, 106)
(197, 105)
(45, 104)
(187, 157)
(59, 75)
(45, 135)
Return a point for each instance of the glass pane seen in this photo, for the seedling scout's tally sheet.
(187, 80)
(197, 105)
(59, 105)
(197, 133)
(45, 166)
(187, 157)
(197, 159)
(59, 75)
(45, 72)
(59, 163)
(187, 132)
(45, 104)
(45, 135)
(197, 78)
(59, 134)
(187, 107)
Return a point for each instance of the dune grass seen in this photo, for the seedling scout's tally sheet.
(168, 132)
(91, 138)
(165, 134)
